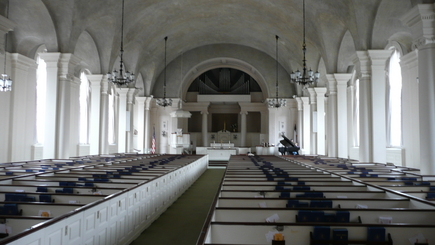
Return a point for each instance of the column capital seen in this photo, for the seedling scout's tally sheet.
(421, 21)
(67, 65)
(141, 100)
(204, 112)
(148, 102)
(320, 91)
(104, 89)
(331, 84)
(312, 93)
(131, 94)
(95, 79)
(342, 78)
(305, 100)
(22, 62)
(379, 57)
(51, 59)
(243, 112)
(299, 103)
(122, 91)
(305, 103)
(362, 63)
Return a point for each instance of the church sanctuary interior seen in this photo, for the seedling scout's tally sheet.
(287, 121)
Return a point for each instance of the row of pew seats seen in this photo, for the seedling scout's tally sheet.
(52, 188)
(403, 179)
(329, 202)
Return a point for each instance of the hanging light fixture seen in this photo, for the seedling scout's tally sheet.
(120, 79)
(5, 81)
(276, 103)
(307, 77)
(164, 101)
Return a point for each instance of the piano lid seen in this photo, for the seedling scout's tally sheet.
(288, 142)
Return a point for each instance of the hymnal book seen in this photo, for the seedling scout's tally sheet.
(322, 233)
(342, 216)
(339, 234)
(375, 234)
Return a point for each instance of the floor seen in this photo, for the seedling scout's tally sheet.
(182, 223)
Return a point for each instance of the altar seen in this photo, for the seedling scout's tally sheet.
(217, 154)
(222, 145)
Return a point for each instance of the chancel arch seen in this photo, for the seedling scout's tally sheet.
(223, 62)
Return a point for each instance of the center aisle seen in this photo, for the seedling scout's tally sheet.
(182, 223)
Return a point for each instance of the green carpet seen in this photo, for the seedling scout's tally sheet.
(182, 222)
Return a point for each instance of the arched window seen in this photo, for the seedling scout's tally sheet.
(111, 133)
(84, 108)
(41, 89)
(355, 115)
(394, 101)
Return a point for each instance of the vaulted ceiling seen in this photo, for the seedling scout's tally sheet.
(334, 29)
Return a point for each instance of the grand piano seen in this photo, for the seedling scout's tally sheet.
(288, 148)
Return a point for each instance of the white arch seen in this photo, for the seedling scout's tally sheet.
(221, 62)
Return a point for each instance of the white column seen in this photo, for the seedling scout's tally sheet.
(67, 116)
(320, 93)
(292, 103)
(204, 129)
(378, 59)
(51, 60)
(130, 119)
(362, 62)
(273, 125)
(410, 110)
(122, 115)
(306, 134)
(139, 121)
(313, 123)
(147, 133)
(22, 116)
(422, 24)
(300, 122)
(6, 99)
(243, 128)
(350, 120)
(342, 140)
(332, 116)
(73, 148)
(104, 116)
(94, 122)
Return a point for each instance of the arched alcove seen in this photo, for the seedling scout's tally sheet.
(28, 30)
(87, 51)
(223, 63)
(182, 70)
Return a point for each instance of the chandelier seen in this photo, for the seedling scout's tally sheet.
(306, 77)
(276, 103)
(119, 78)
(164, 101)
(5, 81)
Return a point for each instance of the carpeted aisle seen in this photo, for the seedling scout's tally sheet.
(181, 224)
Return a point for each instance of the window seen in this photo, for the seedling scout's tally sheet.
(394, 101)
(41, 88)
(356, 114)
(111, 133)
(84, 109)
